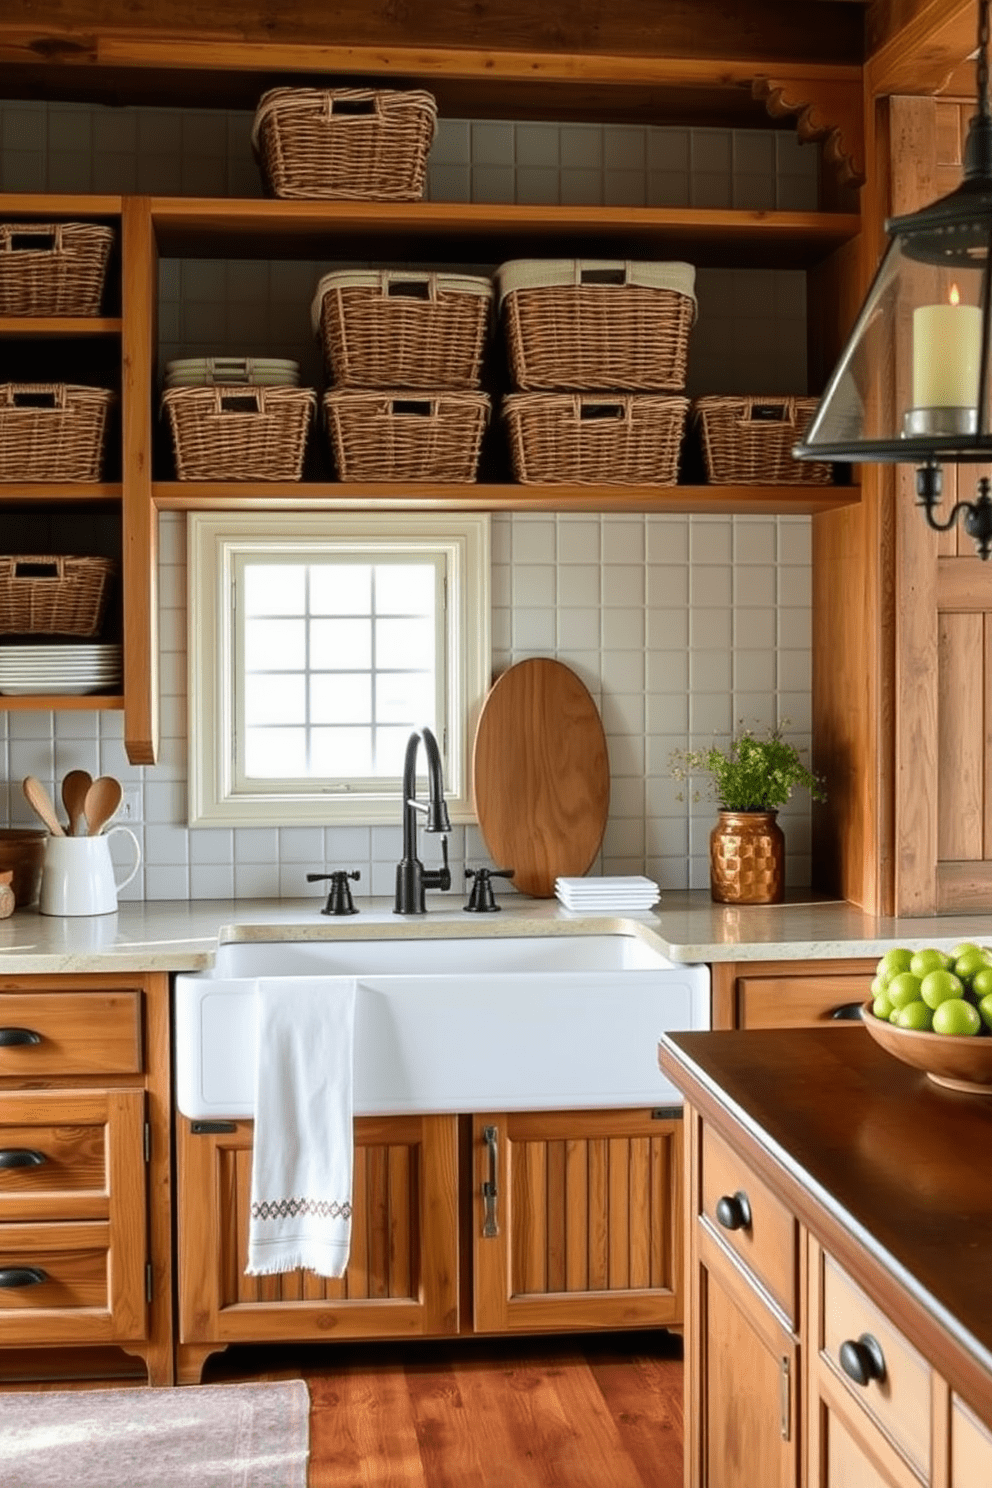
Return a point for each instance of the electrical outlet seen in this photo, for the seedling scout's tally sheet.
(131, 805)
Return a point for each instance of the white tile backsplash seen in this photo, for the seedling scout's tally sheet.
(680, 626)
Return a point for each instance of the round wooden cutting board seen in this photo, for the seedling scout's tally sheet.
(541, 775)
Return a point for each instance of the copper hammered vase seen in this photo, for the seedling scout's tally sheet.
(747, 858)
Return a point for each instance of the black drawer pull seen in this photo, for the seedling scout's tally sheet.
(21, 1157)
(21, 1276)
(863, 1361)
(11, 1036)
(733, 1211)
(847, 1012)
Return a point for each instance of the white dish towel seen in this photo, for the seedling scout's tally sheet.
(304, 1143)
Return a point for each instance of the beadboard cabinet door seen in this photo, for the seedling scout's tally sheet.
(402, 1276)
(576, 1220)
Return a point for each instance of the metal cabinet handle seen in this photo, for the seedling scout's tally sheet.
(490, 1192)
(862, 1361)
(21, 1276)
(21, 1157)
(733, 1211)
(848, 1012)
(11, 1036)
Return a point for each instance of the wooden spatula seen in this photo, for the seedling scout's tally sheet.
(41, 804)
(74, 788)
(102, 799)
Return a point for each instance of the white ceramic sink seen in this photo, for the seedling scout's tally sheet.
(477, 1024)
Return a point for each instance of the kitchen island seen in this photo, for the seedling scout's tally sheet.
(835, 1200)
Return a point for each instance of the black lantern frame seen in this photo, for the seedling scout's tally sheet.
(913, 384)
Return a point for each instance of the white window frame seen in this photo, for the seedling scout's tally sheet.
(215, 542)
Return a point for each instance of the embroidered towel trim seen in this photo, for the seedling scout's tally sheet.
(301, 1177)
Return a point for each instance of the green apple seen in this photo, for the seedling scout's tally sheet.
(940, 986)
(956, 1017)
(879, 984)
(915, 1015)
(972, 962)
(882, 1007)
(963, 949)
(929, 960)
(981, 982)
(893, 962)
(985, 1010)
(903, 989)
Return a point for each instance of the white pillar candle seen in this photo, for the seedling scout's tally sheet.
(947, 348)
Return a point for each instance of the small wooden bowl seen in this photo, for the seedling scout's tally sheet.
(957, 1061)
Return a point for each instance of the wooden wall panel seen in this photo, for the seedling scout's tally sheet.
(960, 737)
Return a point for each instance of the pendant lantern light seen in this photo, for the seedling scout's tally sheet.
(914, 383)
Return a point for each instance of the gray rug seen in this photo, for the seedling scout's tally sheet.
(203, 1436)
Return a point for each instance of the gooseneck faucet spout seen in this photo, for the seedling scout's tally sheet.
(412, 878)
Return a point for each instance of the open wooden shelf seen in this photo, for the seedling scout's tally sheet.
(60, 701)
(195, 227)
(802, 500)
(59, 491)
(60, 325)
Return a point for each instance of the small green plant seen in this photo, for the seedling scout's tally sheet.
(751, 774)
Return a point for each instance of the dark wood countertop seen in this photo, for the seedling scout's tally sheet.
(892, 1173)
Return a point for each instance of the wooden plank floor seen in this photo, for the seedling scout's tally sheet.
(590, 1412)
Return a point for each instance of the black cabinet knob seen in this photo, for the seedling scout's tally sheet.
(862, 1361)
(848, 1012)
(733, 1211)
(21, 1276)
(21, 1157)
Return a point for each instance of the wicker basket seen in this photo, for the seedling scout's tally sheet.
(391, 436)
(54, 596)
(748, 441)
(589, 324)
(52, 431)
(595, 439)
(244, 433)
(399, 329)
(366, 144)
(53, 268)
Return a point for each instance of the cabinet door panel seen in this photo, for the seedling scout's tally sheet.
(971, 1448)
(748, 1381)
(587, 1220)
(402, 1275)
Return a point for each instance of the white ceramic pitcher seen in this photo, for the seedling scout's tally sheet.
(78, 877)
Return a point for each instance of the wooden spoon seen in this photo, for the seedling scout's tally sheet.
(41, 804)
(74, 788)
(102, 799)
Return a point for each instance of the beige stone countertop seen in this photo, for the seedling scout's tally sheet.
(181, 935)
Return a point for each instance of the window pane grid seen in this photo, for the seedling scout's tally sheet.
(331, 728)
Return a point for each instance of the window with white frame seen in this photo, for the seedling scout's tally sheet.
(317, 644)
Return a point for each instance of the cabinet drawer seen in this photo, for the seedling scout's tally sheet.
(62, 1153)
(58, 1285)
(971, 1447)
(70, 1033)
(900, 1401)
(748, 1217)
(799, 1002)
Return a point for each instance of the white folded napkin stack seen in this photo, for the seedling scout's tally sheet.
(632, 894)
(304, 1143)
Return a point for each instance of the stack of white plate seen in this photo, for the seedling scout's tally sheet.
(232, 372)
(71, 670)
(603, 895)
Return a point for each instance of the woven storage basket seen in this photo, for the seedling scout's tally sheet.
(244, 433)
(748, 441)
(52, 431)
(399, 329)
(391, 436)
(595, 439)
(591, 324)
(54, 595)
(367, 144)
(53, 268)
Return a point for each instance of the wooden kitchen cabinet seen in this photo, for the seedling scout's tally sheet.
(402, 1277)
(586, 1213)
(85, 1177)
(789, 994)
(743, 1323)
(576, 1220)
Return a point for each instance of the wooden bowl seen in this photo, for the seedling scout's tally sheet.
(957, 1061)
